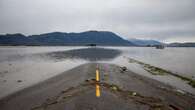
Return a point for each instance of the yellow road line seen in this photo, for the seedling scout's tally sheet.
(97, 84)
(97, 75)
(97, 90)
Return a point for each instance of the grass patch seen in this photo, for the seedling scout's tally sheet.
(192, 83)
(149, 68)
(159, 71)
(132, 60)
(154, 70)
(189, 80)
(114, 88)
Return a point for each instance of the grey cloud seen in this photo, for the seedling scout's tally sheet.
(153, 19)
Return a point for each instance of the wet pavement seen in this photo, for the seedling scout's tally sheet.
(119, 88)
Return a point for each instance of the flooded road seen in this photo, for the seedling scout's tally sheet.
(58, 78)
(21, 67)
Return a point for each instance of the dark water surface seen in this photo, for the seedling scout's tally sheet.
(89, 54)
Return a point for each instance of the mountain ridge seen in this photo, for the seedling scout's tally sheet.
(143, 42)
(102, 38)
(62, 38)
(177, 44)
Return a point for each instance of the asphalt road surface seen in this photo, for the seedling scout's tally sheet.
(120, 89)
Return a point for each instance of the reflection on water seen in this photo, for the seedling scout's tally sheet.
(90, 54)
(26, 52)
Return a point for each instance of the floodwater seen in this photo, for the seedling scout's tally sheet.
(21, 67)
(177, 60)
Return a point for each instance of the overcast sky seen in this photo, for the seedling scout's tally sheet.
(164, 20)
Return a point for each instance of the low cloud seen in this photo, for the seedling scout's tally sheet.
(166, 20)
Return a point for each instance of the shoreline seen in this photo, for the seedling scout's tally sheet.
(160, 71)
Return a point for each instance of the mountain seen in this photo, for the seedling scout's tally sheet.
(141, 42)
(60, 38)
(187, 44)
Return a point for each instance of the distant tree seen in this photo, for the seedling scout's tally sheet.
(93, 45)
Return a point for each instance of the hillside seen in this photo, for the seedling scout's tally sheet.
(141, 42)
(60, 38)
(187, 44)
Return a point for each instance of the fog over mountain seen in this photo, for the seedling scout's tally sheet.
(163, 20)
